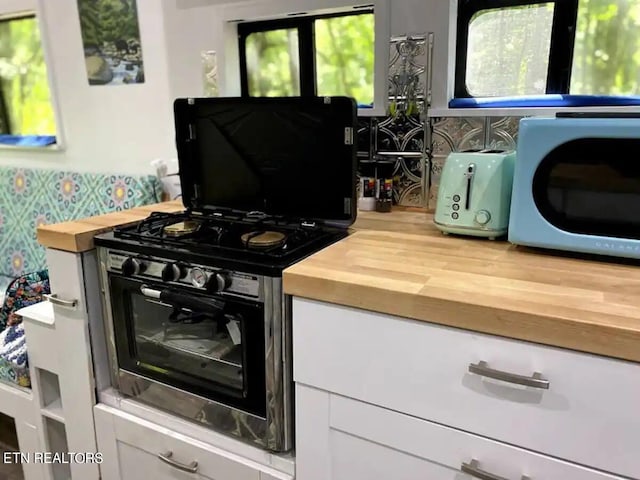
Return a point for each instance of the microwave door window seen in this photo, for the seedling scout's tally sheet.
(591, 186)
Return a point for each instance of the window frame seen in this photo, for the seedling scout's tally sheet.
(305, 26)
(12, 9)
(563, 31)
(5, 119)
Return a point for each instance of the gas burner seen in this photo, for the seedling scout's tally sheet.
(181, 229)
(263, 239)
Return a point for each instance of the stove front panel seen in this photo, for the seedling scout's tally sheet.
(180, 274)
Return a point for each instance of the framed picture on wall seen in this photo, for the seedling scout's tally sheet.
(111, 41)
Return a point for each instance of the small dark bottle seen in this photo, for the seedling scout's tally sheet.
(384, 190)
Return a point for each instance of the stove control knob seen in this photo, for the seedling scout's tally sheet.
(219, 282)
(199, 278)
(172, 272)
(132, 266)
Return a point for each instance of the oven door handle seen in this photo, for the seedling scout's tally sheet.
(181, 300)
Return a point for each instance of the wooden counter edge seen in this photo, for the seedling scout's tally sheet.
(606, 340)
(76, 236)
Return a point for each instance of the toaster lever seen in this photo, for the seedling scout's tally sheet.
(471, 170)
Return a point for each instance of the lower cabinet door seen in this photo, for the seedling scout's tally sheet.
(133, 448)
(338, 438)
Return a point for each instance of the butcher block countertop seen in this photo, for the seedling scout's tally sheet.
(398, 263)
(77, 235)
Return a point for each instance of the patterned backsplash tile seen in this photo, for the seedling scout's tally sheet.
(503, 133)
(449, 134)
(388, 138)
(401, 135)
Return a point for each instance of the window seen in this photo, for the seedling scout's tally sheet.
(606, 59)
(530, 47)
(309, 55)
(25, 99)
(517, 65)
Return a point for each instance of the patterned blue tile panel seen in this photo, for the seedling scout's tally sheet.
(33, 197)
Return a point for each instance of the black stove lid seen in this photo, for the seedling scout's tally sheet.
(292, 157)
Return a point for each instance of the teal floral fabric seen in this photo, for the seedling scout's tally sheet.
(33, 197)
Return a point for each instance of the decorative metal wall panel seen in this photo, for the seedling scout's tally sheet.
(503, 133)
(404, 129)
(398, 135)
(365, 137)
(408, 60)
(401, 135)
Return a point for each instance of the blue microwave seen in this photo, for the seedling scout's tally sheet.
(577, 184)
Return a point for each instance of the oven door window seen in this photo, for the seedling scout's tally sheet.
(202, 344)
(591, 186)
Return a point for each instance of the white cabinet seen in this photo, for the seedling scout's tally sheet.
(135, 448)
(60, 404)
(363, 442)
(586, 415)
(74, 305)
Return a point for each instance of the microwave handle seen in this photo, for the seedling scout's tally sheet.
(179, 299)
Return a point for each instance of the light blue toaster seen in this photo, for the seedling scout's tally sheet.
(474, 195)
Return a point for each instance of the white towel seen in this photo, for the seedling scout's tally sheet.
(13, 345)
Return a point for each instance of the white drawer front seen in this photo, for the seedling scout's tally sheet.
(141, 442)
(136, 464)
(371, 443)
(588, 415)
(354, 458)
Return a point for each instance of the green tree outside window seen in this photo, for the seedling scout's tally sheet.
(24, 84)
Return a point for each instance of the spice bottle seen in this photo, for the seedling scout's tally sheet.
(384, 187)
(367, 187)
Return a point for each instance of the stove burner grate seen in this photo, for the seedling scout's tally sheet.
(249, 235)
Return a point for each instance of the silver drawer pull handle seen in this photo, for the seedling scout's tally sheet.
(167, 457)
(53, 298)
(536, 380)
(472, 468)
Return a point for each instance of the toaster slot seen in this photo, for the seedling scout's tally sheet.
(471, 170)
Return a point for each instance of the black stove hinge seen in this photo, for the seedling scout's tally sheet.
(308, 224)
(191, 147)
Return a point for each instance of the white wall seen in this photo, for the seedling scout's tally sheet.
(122, 128)
(117, 129)
(196, 25)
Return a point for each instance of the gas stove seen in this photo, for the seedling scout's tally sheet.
(200, 299)
(197, 321)
(251, 242)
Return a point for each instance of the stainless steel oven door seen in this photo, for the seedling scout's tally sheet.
(206, 345)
